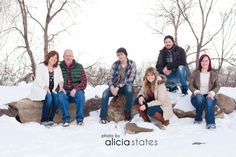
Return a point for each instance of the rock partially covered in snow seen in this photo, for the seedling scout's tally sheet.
(227, 104)
(31, 111)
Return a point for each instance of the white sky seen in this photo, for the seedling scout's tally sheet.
(106, 25)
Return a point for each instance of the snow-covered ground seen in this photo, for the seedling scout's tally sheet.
(93, 139)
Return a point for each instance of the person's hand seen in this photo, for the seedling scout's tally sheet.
(47, 89)
(72, 92)
(141, 100)
(114, 90)
(210, 96)
(62, 90)
(196, 92)
(166, 71)
(142, 107)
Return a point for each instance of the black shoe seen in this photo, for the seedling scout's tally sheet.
(128, 115)
(184, 91)
(173, 89)
(103, 121)
(79, 122)
(66, 124)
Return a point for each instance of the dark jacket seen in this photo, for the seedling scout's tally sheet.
(194, 81)
(179, 58)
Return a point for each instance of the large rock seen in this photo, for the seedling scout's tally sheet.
(116, 109)
(191, 114)
(227, 104)
(30, 111)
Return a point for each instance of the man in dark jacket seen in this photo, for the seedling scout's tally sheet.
(172, 63)
(75, 82)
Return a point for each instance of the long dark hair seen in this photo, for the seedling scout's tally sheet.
(49, 55)
(200, 60)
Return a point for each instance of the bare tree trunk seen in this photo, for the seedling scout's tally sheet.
(25, 33)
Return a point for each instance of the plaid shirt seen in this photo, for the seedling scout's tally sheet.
(115, 74)
(81, 85)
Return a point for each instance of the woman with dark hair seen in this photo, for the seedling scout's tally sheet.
(204, 85)
(153, 101)
(48, 77)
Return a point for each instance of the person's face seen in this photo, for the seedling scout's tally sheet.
(52, 60)
(168, 43)
(121, 56)
(68, 57)
(150, 77)
(205, 63)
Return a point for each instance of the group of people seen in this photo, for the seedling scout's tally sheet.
(59, 84)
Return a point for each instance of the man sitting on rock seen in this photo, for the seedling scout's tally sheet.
(75, 82)
(120, 81)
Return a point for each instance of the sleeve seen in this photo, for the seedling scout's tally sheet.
(111, 76)
(39, 76)
(83, 82)
(160, 63)
(60, 75)
(191, 82)
(216, 86)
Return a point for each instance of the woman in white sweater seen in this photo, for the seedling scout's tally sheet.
(48, 77)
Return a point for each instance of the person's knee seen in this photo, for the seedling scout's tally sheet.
(210, 103)
(79, 95)
(61, 96)
(129, 89)
(182, 68)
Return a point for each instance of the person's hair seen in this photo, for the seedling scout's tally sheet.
(200, 60)
(49, 55)
(122, 50)
(169, 37)
(149, 85)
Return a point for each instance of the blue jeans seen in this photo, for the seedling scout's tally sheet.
(78, 99)
(201, 102)
(127, 90)
(50, 105)
(151, 110)
(178, 76)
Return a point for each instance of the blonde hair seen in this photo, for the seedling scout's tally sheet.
(149, 85)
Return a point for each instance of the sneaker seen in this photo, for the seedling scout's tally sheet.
(80, 122)
(103, 121)
(66, 124)
(45, 123)
(50, 123)
(128, 115)
(184, 91)
(211, 126)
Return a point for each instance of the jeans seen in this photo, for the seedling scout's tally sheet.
(201, 102)
(50, 105)
(178, 76)
(151, 110)
(127, 90)
(78, 99)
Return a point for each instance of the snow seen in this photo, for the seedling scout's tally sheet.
(92, 139)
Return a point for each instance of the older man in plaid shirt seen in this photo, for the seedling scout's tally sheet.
(75, 82)
(120, 81)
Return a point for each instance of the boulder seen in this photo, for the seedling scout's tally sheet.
(227, 104)
(191, 114)
(30, 111)
(116, 109)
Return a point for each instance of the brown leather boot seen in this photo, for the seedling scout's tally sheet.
(142, 114)
(159, 117)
